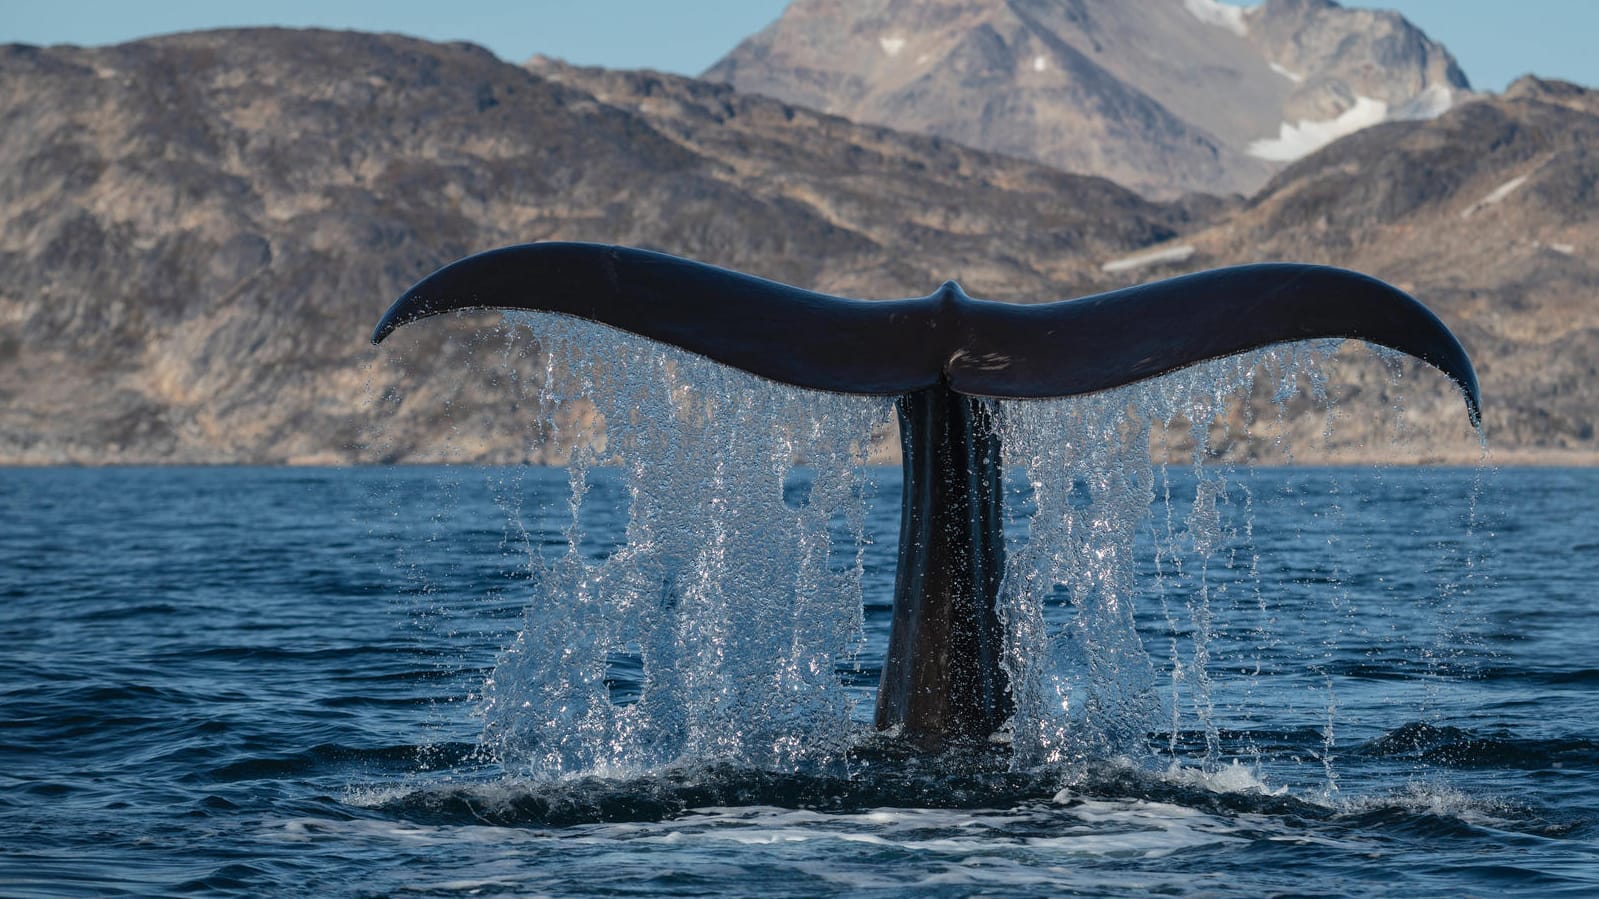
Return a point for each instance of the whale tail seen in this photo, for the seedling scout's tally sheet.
(938, 354)
(978, 347)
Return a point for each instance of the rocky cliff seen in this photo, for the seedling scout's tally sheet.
(198, 231)
(1487, 213)
(1165, 96)
(1490, 213)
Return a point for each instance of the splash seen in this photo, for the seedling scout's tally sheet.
(1084, 678)
(732, 608)
(703, 601)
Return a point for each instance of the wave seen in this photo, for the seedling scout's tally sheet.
(1457, 748)
(326, 758)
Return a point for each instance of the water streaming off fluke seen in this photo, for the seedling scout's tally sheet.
(725, 616)
(727, 627)
(726, 611)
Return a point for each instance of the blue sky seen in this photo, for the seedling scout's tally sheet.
(1495, 40)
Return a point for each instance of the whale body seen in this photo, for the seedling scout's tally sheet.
(943, 356)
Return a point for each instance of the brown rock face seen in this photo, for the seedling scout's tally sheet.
(198, 231)
(1165, 96)
(1491, 215)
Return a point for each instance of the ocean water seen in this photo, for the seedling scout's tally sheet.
(1351, 682)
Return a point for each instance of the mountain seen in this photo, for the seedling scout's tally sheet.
(1165, 96)
(198, 231)
(1491, 214)
(1487, 212)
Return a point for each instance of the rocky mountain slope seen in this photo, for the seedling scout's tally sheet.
(1487, 213)
(1491, 214)
(1166, 96)
(198, 231)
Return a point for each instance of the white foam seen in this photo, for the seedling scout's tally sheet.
(1179, 253)
(1040, 63)
(1104, 828)
(1220, 15)
(1440, 800)
(464, 886)
(1138, 827)
(1109, 828)
(892, 45)
(1297, 141)
(1284, 71)
(1233, 778)
(307, 830)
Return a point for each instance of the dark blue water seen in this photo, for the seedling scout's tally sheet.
(262, 682)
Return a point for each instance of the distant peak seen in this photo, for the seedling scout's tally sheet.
(1543, 88)
(1165, 96)
(1554, 91)
(1218, 14)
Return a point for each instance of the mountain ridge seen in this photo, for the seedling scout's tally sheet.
(197, 231)
(189, 266)
(1166, 97)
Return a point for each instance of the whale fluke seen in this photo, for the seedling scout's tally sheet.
(943, 356)
(978, 347)
(773, 330)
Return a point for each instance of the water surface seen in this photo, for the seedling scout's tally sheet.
(265, 682)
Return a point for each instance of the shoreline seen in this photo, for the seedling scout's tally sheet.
(1516, 459)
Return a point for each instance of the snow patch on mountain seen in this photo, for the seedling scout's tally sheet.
(1496, 196)
(1214, 12)
(1284, 71)
(1431, 103)
(1297, 141)
(1175, 96)
(1180, 253)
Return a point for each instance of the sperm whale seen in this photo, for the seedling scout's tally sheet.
(943, 357)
